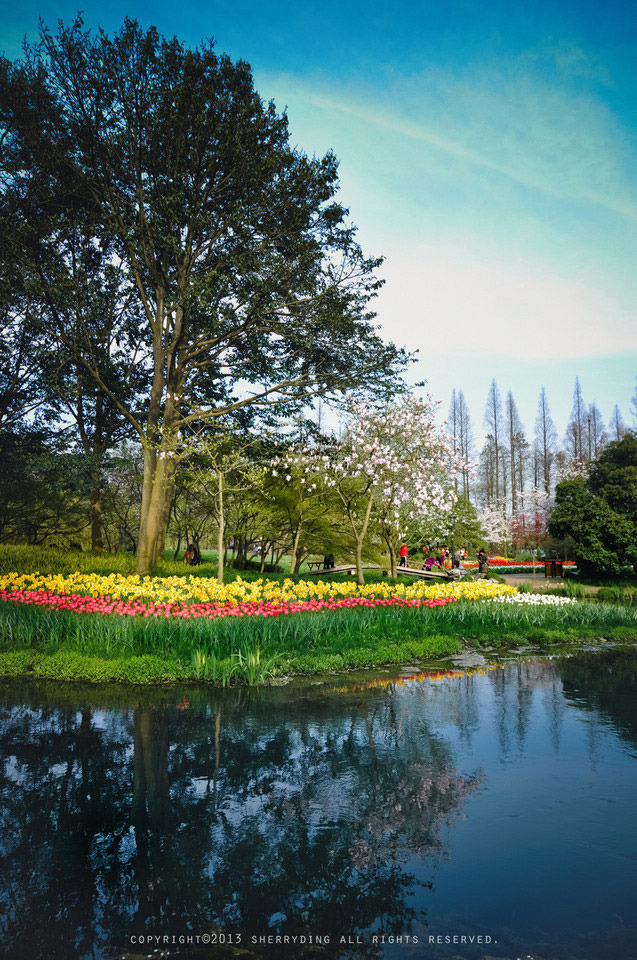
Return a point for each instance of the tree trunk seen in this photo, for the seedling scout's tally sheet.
(360, 539)
(514, 492)
(97, 542)
(300, 557)
(159, 470)
(242, 552)
(360, 576)
(159, 443)
(295, 547)
(393, 567)
(220, 533)
(178, 547)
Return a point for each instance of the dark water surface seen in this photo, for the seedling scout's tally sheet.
(499, 805)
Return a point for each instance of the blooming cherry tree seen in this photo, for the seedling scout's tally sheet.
(495, 525)
(395, 464)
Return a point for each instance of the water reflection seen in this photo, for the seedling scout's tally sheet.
(337, 809)
(256, 812)
(607, 686)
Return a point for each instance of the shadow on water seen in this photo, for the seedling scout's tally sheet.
(606, 685)
(316, 811)
(263, 813)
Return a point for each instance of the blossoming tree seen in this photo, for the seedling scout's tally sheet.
(394, 464)
(495, 525)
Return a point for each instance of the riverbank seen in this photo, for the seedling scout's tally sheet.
(56, 644)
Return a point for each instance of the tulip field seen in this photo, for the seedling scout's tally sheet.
(121, 627)
(191, 596)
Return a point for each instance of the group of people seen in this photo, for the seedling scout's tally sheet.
(192, 557)
(440, 560)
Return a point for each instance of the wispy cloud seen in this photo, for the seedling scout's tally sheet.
(538, 137)
(504, 197)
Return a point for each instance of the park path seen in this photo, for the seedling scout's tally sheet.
(540, 582)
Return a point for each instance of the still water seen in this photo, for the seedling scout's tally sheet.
(496, 805)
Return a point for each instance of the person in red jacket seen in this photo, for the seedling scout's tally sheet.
(404, 550)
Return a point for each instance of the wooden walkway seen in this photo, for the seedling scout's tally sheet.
(404, 571)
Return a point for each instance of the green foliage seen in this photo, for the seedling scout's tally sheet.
(600, 512)
(618, 593)
(29, 559)
(43, 489)
(574, 590)
(242, 258)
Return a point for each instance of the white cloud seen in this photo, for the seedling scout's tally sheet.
(442, 300)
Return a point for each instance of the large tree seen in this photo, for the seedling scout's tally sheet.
(395, 466)
(461, 433)
(598, 511)
(617, 427)
(250, 286)
(517, 450)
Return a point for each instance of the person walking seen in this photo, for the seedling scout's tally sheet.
(483, 561)
(404, 551)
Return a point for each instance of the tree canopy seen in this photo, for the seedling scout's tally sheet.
(599, 511)
(239, 271)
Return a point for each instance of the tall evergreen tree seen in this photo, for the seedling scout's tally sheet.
(596, 436)
(545, 442)
(494, 426)
(453, 426)
(516, 442)
(465, 436)
(576, 430)
(617, 427)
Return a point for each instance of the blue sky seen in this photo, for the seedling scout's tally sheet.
(488, 150)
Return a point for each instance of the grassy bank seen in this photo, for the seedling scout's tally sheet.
(52, 560)
(56, 644)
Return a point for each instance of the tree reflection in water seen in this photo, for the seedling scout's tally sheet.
(263, 813)
(607, 686)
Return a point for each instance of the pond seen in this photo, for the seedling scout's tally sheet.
(467, 813)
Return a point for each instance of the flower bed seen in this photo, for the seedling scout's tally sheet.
(533, 599)
(508, 562)
(514, 566)
(196, 597)
(76, 603)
